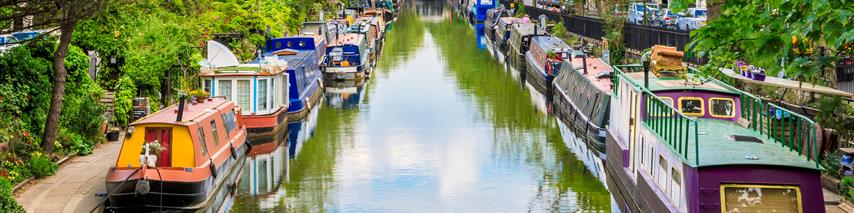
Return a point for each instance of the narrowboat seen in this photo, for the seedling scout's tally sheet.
(581, 95)
(518, 43)
(544, 57)
(260, 89)
(186, 157)
(503, 27)
(366, 27)
(347, 58)
(490, 25)
(304, 82)
(679, 143)
(476, 10)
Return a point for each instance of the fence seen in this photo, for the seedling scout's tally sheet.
(636, 37)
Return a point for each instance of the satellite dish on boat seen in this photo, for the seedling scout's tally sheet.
(220, 56)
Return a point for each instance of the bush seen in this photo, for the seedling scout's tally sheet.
(7, 199)
(124, 100)
(846, 187)
(41, 166)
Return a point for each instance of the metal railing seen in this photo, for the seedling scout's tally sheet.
(676, 130)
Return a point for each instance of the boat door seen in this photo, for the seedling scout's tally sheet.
(163, 135)
(634, 101)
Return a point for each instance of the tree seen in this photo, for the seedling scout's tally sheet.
(63, 15)
(778, 35)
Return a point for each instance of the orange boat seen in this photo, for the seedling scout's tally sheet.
(182, 158)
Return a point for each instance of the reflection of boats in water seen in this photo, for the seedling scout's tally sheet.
(265, 170)
(344, 94)
(589, 156)
(301, 131)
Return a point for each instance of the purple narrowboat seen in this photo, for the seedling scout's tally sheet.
(684, 144)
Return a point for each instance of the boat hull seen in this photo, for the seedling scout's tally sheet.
(537, 77)
(344, 73)
(307, 103)
(174, 195)
(266, 128)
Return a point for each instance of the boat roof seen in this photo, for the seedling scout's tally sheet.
(252, 69)
(669, 83)
(524, 28)
(551, 43)
(192, 112)
(348, 38)
(294, 58)
(595, 68)
(717, 149)
(509, 20)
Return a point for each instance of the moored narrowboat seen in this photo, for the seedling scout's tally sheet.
(503, 27)
(581, 94)
(490, 24)
(304, 82)
(477, 9)
(518, 43)
(347, 58)
(544, 58)
(260, 89)
(186, 157)
(678, 143)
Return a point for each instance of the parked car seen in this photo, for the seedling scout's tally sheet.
(7, 42)
(636, 12)
(691, 19)
(665, 18)
(26, 35)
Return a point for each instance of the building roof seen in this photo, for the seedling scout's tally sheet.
(192, 112)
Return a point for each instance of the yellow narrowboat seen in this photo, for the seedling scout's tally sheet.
(186, 157)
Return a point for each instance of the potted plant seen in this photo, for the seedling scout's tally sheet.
(149, 153)
(200, 95)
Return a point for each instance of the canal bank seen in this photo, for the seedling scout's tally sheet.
(441, 126)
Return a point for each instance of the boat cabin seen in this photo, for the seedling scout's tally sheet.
(681, 143)
(547, 53)
(301, 55)
(349, 50)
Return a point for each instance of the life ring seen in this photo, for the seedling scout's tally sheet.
(548, 69)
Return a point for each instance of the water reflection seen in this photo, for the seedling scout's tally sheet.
(344, 94)
(443, 128)
(300, 131)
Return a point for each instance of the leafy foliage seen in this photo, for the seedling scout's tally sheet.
(124, 100)
(614, 25)
(41, 166)
(7, 199)
(766, 32)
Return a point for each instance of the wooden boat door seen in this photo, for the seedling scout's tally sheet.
(164, 136)
(633, 128)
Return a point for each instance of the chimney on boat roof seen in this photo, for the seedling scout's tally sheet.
(180, 108)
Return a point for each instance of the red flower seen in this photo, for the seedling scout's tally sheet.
(26, 134)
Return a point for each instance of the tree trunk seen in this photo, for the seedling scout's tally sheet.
(53, 114)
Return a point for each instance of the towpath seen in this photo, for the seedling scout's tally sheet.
(74, 187)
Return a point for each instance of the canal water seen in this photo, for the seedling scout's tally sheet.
(442, 126)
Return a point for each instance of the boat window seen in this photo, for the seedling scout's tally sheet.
(662, 173)
(228, 118)
(651, 159)
(722, 107)
(202, 142)
(215, 133)
(243, 90)
(262, 94)
(675, 186)
(224, 88)
(643, 152)
(691, 106)
(760, 198)
(666, 100)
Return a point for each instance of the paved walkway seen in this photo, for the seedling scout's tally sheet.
(73, 187)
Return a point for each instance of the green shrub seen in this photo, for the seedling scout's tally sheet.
(41, 166)
(846, 186)
(124, 100)
(7, 199)
(830, 163)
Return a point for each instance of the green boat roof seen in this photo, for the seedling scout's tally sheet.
(716, 147)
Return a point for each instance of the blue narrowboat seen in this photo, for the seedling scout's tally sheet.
(302, 55)
(347, 58)
(477, 9)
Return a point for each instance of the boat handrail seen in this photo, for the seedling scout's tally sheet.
(672, 126)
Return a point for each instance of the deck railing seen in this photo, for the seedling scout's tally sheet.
(791, 130)
(676, 130)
